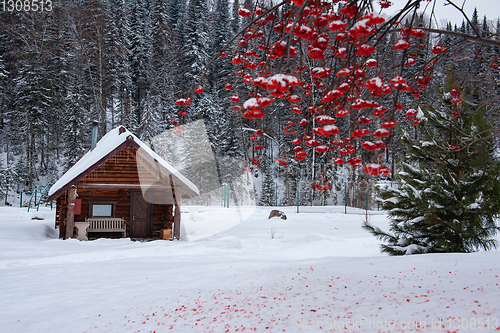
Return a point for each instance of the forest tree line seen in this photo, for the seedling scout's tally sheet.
(127, 62)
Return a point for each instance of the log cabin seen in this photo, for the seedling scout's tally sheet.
(120, 188)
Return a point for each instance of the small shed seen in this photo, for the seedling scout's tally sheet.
(122, 186)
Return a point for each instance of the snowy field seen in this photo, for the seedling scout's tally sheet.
(320, 273)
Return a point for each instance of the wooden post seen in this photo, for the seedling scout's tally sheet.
(62, 221)
(177, 220)
(177, 213)
(70, 220)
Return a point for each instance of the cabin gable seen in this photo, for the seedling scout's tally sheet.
(129, 184)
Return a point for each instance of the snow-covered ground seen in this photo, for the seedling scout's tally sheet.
(321, 272)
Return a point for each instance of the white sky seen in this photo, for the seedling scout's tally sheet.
(490, 8)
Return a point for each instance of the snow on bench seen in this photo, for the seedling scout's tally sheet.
(106, 224)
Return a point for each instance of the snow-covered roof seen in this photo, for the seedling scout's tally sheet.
(112, 141)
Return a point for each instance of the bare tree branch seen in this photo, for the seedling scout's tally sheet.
(467, 37)
(466, 17)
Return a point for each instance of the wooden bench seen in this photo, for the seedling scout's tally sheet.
(106, 224)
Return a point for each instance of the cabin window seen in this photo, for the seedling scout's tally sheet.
(102, 209)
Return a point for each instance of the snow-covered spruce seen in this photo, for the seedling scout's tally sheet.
(448, 198)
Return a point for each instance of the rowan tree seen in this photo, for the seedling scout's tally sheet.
(322, 59)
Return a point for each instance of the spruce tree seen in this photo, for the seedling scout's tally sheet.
(235, 19)
(221, 123)
(448, 193)
(33, 102)
(165, 61)
(149, 119)
(119, 73)
(268, 194)
(196, 41)
(120, 62)
(98, 57)
(176, 10)
(140, 55)
(4, 74)
(475, 19)
(6, 180)
(75, 118)
(462, 27)
(484, 28)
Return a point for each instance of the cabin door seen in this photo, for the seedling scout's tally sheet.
(140, 216)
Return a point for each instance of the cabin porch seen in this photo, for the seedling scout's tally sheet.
(116, 213)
